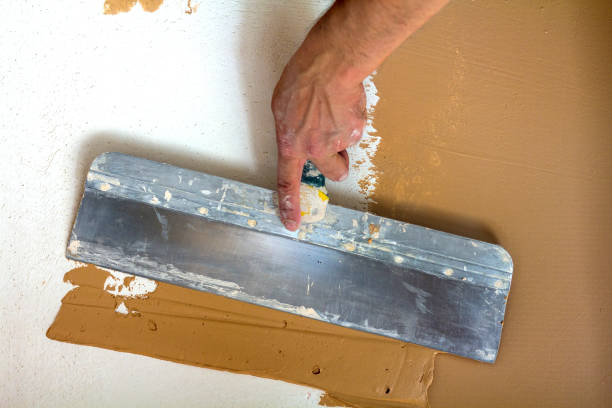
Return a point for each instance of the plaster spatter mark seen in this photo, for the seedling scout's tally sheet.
(73, 247)
(103, 181)
(122, 309)
(192, 7)
(123, 6)
(125, 285)
(363, 172)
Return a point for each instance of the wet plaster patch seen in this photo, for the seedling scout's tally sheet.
(119, 312)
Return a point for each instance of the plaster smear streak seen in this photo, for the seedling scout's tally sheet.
(115, 311)
(362, 175)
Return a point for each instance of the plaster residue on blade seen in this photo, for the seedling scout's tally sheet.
(121, 312)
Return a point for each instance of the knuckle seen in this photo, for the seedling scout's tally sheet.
(286, 145)
(338, 144)
(286, 151)
(285, 185)
(315, 149)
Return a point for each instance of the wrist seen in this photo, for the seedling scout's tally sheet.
(326, 66)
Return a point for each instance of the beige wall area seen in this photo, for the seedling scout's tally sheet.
(496, 123)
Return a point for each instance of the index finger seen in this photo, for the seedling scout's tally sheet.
(289, 174)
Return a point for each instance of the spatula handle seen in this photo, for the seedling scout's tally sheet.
(312, 176)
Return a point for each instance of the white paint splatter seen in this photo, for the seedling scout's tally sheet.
(448, 272)
(307, 312)
(73, 247)
(105, 187)
(122, 309)
(168, 195)
(137, 287)
(203, 210)
(361, 182)
(487, 355)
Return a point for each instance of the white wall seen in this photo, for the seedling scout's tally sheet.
(192, 90)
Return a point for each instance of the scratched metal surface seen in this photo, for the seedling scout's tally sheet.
(353, 269)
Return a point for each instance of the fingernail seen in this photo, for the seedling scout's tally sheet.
(291, 225)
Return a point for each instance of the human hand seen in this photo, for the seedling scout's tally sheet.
(318, 114)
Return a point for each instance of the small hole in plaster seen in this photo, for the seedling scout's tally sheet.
(388, 390)
(152, 325)
(316, 370)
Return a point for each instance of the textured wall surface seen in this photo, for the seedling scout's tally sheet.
(190, 89)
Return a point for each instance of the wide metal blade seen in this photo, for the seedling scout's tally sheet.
(353, 269)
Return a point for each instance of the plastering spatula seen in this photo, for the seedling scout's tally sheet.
(352, 269)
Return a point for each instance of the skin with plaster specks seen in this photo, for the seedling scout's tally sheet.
(319, 102)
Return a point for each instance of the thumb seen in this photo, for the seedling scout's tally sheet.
(289, 176)
(334, 167)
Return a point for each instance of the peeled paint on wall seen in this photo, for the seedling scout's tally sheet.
(136, 315)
